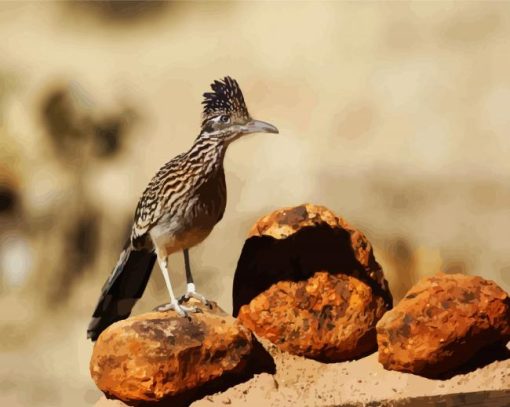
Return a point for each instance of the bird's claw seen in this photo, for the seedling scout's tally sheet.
(181, 310)
(197, 296)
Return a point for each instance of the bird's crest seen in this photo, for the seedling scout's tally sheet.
(226, 98)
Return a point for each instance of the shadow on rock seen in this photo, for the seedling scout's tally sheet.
(484, 357)
(265, 261)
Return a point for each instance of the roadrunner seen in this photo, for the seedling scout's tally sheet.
(178, 209)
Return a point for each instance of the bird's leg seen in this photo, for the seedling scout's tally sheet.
(174, 304)
(190, 285)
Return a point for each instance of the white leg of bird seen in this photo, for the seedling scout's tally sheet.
(174, 304)
(190, 285)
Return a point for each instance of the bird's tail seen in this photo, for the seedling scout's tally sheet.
(122, 289)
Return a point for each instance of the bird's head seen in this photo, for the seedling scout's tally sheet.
(225, 114)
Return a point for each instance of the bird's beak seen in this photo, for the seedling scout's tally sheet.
(257, 126)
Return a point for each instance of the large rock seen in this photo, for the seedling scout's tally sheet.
(160, 354)
(327, 317)
(293, 243)
(441, 323)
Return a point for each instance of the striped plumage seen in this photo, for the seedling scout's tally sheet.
(170, 193)
(179, 207)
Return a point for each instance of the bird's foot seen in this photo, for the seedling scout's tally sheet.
(191, 293)
(182, 310)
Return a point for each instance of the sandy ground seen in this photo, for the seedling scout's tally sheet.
(303, 382)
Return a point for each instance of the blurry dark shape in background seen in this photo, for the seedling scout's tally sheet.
(401, 255)
(80, 133)
(107, 134)
(13, 231)
(80, 251)
(75, 129)
(454, 267)
(122, 11)
(8, 199)
(61, 122)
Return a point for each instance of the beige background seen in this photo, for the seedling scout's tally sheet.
(395, 116)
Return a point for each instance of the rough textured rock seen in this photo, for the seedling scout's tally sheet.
(441, 323)
(294, 243)
(327, 317)
(159, 354)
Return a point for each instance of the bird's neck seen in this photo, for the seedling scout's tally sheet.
(208, 153)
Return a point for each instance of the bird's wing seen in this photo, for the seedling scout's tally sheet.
(154, 200)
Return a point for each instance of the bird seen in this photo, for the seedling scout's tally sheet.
(178, 209)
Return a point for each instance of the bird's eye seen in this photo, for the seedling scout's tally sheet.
(224, 118)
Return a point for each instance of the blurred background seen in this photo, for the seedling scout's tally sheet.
(395, 116)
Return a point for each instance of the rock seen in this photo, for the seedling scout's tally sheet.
(327, 317)
(293, 243)
(309, 282)
(160, 354)
(441, 323)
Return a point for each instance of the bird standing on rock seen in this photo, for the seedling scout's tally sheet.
(178, 209)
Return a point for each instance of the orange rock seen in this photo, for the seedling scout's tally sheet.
(441, 323)
(284, 222)
(294, 243)
(327, 317)
(159, 354)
